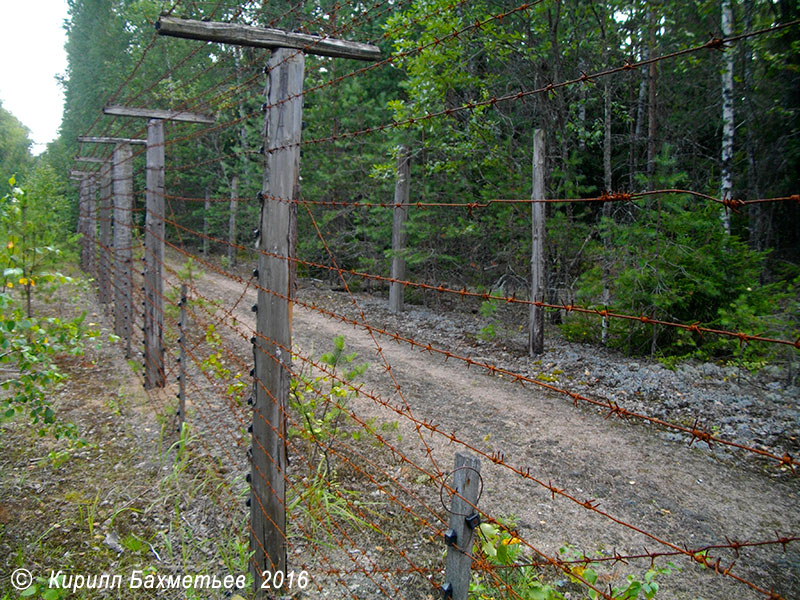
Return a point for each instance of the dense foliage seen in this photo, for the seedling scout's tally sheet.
(666, 256)
(32, 344)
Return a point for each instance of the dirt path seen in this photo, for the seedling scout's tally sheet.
(685, 496)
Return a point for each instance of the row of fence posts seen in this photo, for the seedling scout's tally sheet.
(276, 268)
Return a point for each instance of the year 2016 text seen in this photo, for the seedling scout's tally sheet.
(278, 579)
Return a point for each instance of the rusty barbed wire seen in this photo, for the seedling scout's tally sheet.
(695, 432)
(696, 327)
(712, 43)
(499, 459)
(605, 197)
(707, 561)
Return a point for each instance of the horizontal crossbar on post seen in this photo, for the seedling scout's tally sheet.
(156, 113)
(87, 139)
(261, 37)
(91, 159)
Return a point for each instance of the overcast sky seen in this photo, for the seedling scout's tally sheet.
(31, 55)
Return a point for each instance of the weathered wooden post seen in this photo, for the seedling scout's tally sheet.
(122, 190)
(91, 226)
(400, 216)
(103, 245)
(83, 213)
(274, 342)
(278, 229)
(182, 358)
(154, 256)
(123, 236)
(232, 221)
(206, 210)
(463, 520)
(536, 332)
(154, 373)
(104, 275)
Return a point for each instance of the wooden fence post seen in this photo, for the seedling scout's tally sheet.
(463, 515)
(277, 234)
(154, 257)
(273, 344)
(400, 216)
(104, 274)
(154, 374)
(536, 332)
(122, 191)
(206, 210)
(83, 219)
(123, 254)
(232, 221)
(91, 228)
(182, 358)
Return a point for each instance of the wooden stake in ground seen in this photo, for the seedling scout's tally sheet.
(123, 255)
(206, 211)
(400, 216)
(273, 346)
(155, 375)
(122, 191)
(91, 226)
(536, 332)
(234, 205)
(277, 242)
(105, 217)
(154, 372)
(466, 484)
(83, 212)
(182, 358)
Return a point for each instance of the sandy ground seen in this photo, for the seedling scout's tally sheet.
(686, 496)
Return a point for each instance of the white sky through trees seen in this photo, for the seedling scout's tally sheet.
(31, 56)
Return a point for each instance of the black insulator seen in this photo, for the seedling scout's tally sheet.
(450, 537)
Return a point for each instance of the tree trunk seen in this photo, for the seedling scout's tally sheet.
(726, 190)
(652, 80)
(756, 213)
(607, 182)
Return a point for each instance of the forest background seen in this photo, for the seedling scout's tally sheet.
(722, 121)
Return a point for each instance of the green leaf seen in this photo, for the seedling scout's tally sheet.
(51, 594)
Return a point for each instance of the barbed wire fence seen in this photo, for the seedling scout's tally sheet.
(355, 465)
